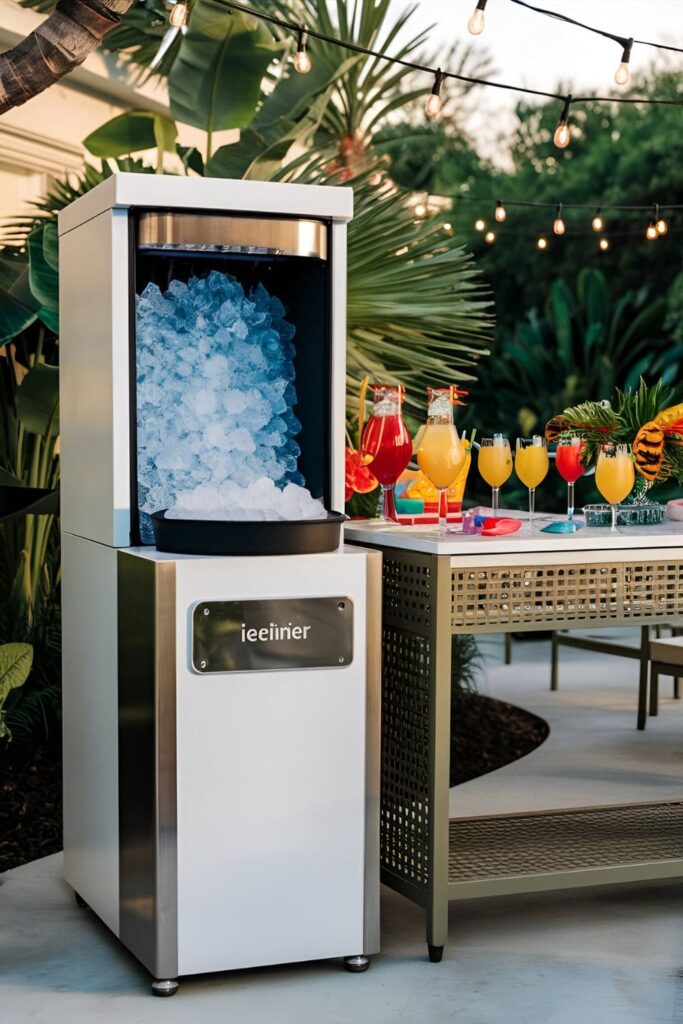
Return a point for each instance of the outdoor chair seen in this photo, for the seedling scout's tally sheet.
(642, 653)
(666, 658)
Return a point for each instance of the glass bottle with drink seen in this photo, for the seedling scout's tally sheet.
(495, 464)
(531, 466)
(615, 475)
(441, 454)
(386, 445)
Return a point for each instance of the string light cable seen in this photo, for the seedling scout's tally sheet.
(297, 29)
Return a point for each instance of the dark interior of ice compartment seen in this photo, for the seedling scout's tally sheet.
(302, 286)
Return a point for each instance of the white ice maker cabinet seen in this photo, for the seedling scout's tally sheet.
(220, 809)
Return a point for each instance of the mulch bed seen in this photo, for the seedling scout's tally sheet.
(487, 734)
(30, 808)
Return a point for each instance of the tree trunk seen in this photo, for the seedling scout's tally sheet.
(62, 42)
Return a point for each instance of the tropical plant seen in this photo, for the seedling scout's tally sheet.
(581, 344)
(15, 665)
(416, 308)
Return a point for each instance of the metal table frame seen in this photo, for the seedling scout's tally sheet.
(429, 597)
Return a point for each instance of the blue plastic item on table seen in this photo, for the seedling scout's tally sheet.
(562, 526)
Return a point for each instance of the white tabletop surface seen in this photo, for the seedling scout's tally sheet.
(525, 541)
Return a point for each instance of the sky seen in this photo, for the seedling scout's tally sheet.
(540, 52)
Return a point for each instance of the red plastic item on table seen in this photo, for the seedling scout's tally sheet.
(500, 526)
(568, 461)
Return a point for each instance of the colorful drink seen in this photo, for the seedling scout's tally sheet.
(531, 462)
(615, 475)
(531, 465)
(568, 460)
(441, 454)
(495, 464)
(386, 444)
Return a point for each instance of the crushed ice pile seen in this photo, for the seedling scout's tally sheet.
(215, 398)
(259, 501)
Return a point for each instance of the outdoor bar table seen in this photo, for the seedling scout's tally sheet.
(433, 589)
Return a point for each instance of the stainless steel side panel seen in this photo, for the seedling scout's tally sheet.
(371, 922)
(147, 762)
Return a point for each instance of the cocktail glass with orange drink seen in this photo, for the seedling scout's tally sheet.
(441, 454)
(531, 466)
(615, 475)
(495, 464)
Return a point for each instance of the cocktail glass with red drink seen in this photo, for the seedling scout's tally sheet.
(386, 445)
(569, 464)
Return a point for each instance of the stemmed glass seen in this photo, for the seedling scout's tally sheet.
(386, 445)
(441, 454)
(615, 475)
(531, 466)
(495, 464)
(569, 464)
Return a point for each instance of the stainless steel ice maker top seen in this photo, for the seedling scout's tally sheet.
(220, 770)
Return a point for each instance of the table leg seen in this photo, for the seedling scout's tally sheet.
(554, 656)
(654, 691)
(440, 757)
(643, 676)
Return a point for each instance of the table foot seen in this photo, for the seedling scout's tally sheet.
(435, 953)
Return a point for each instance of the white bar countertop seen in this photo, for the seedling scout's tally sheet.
(655, 540)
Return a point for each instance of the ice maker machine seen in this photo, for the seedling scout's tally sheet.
(221, 749)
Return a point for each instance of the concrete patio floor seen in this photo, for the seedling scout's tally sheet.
(613, 954)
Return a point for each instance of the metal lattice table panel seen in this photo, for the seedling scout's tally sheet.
(530, 597)
(404, 821)
(485, 848)
(407, 598)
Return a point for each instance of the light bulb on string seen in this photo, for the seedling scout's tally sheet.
(562, 135)
(477, 23)
(651, 231)
(501, 212)
(622, 75)
(598, 222)
(434, 103)
(480, 225)
(603, 244)
(490, 237)
(542, 243)
(559, 226)
(302, 61)
(660, 224)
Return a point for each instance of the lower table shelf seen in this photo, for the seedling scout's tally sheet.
(493, 856)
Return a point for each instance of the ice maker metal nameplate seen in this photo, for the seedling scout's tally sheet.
(272, 635)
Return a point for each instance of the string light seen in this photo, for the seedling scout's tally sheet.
(661, 227)
(302, 61)
(598, 223)
(622, 75)
(434, 104)
(562, 134)
(421, 210)
(559, 226)
(651, 231)
(448, 228)
(541, 243)
(477, 23)
(603, 244)
(501, 212)
(490, 237)
(479, 225)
